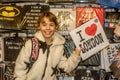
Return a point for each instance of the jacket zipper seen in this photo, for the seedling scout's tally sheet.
(48, 46)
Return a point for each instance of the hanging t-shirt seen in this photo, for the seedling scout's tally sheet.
(12, 46)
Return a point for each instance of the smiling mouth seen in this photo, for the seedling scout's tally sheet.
(47, 32)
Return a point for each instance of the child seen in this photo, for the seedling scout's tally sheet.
(51, 53)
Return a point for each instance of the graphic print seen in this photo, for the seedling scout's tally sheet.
(84, 14)
(66, 19)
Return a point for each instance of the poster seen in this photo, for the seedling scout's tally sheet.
(84, 14)
(66, 19)
(91, 37)
(20, 17)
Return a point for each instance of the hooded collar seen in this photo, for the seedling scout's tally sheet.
(57, 38)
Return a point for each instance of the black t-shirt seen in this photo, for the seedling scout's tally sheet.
(12, 46)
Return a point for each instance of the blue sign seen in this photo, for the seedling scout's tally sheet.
(110, 3)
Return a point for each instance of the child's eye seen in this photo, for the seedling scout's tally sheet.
(44, 24)
(52, 24)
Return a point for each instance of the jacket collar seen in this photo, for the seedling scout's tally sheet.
(57, 38)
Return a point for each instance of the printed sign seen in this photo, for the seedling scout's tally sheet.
(20, 17)
(91, 37)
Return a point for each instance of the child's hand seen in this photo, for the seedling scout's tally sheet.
(77, 51)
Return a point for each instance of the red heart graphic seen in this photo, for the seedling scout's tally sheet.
(91, 30)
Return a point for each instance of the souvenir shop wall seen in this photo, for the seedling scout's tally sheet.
(87, 23)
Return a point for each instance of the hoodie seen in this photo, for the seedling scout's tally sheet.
(45, 66)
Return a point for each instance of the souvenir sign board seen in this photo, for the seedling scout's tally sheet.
(91, 37)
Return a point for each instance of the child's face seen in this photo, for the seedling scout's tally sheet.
(47, 28)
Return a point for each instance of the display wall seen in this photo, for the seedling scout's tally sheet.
(18, 22)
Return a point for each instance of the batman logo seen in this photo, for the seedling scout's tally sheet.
(9, 11)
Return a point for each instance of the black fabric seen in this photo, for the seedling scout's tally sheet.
(43, 45)
(12, 46)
